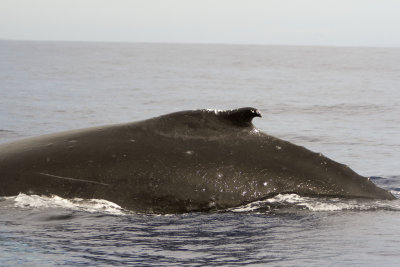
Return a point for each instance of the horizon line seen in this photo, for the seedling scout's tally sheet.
(200, 43)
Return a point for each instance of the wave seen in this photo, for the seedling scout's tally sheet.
(294, 202)
(24, 201)
(282, 203)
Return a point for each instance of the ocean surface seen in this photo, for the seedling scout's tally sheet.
(343, 102)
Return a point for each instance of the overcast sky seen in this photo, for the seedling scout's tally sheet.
(288, 22)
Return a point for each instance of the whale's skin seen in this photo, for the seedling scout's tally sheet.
(186, 161)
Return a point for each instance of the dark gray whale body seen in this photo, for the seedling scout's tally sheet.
(186, 161)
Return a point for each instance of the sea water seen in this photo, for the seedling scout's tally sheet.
(342, 102)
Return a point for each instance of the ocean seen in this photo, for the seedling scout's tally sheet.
(342, 102)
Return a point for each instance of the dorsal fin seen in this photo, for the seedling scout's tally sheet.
(241, 116)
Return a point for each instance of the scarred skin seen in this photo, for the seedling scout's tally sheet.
(197, 160)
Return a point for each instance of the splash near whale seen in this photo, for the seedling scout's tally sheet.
(186, 161)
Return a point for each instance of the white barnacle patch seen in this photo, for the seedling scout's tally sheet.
(265, 184)
(189, 152)
(278, 147)
(219, 175)
(244, 193)
(132, 140)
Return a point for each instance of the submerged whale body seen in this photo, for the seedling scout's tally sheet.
(186, 161)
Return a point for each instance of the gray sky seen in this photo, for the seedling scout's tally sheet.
(289, 22)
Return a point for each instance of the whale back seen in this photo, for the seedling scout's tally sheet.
(183, 161)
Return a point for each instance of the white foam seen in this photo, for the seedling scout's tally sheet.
(288, 198)
(282, 200)
(249, 207)
(319, 204)
(395, 193)
(89, 205)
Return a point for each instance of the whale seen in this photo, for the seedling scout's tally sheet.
(187, 161)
